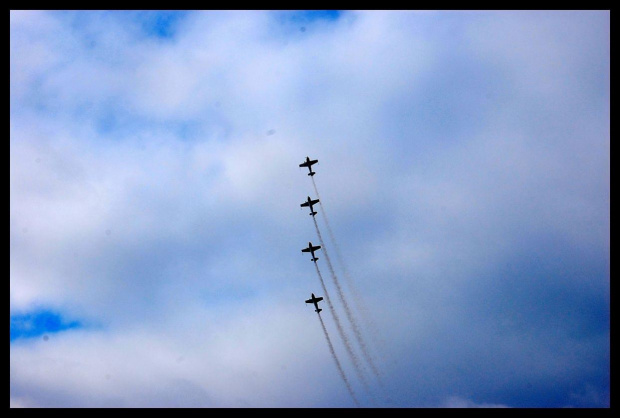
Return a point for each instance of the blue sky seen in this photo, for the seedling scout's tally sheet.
(38, 324)
(464, 167)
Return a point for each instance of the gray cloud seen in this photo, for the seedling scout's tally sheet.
(463, 158)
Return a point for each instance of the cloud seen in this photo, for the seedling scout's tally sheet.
(457, 402)
(463, 163)
(188, 360)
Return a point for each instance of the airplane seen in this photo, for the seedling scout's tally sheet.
(311, 249)
(310, 203)
(316, 301)
(308, 163)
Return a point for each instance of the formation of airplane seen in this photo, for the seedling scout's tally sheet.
(316, 301)
(308, 163)
(310, 203)
(311, 249)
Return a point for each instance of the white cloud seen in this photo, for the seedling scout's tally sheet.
(155, 195)
(198, 358)
(458, 402)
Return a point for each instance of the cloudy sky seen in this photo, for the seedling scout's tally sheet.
(156, 227)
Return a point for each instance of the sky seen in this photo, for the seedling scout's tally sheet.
(156, 230)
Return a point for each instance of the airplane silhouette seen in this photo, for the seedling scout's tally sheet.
(311, 249)
(316, 301)
(308, 163)
(310, 203)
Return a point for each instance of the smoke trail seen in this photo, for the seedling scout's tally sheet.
(357, 298)
(344, 337)
(331, 348)
(347, 310)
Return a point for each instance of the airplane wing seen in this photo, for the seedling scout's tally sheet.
(314, 202)
(305, 250)
(305, 204)
(320, 298)
(309, 301)
(308, 163)
(316, 247)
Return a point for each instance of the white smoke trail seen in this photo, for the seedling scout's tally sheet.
(347, 310)
(331, 349)
(344, 337)
(357, 298)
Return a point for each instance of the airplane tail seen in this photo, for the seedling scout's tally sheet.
(315, 258)
(319, 310)
(313, 213)
(312, 173)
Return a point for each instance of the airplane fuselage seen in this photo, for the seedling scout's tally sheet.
(308, 163)
(310, 203)
(311, 249)
(315, 301)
